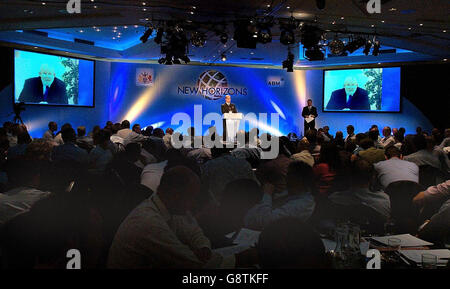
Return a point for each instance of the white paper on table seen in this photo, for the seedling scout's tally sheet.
(230, 235)
(309, 119)
(231, 250)
(247, 237)
(416, 255)
(407, 240)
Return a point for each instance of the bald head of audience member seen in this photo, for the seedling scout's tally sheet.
(179, 189)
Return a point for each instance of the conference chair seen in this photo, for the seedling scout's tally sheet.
(428, 175)
(405, 214)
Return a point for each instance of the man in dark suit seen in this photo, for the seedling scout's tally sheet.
(44, 89)
(226, 108)
(307, 111)
(351, 97)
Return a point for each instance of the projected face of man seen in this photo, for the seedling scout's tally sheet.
(350, 85)
(47, 75)
(228, 99)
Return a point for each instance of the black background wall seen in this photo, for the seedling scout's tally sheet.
(427, 86)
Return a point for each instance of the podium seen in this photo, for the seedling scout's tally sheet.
(232, 123)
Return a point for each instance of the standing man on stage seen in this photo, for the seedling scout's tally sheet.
(226, 108)
(309, 111)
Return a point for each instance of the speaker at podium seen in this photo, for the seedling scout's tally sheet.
(232, 125)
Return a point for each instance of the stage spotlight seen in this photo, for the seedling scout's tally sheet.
(223, 38)
(310, 36)
(289, 62)
(146, 35)
(336, 47)
(185, 58)
(198, 39)
(223, 57)
(314, 54)
(168, 60)
(244, 34)
(320, 4)
(367, 47)
(356, 44)
(287, 37)
(159, 36)
(376, 48)
(264, 35)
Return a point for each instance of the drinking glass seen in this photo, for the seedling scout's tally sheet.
(429, 261)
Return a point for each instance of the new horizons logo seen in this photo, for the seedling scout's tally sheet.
(212, 85)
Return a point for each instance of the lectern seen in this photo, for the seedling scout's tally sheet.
(232, 123)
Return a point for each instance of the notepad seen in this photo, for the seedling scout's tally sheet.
(247, 237)
(407, 240)
(309, 119)
(416, 255)
(231, 250)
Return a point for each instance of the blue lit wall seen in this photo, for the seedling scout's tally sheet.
(118, 97)
(157, 104)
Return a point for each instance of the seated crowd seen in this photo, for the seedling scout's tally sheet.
(126, 198)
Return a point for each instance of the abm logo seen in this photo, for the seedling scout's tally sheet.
(374, 6)
(275, 81)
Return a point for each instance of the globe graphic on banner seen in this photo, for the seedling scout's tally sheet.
(211, 83)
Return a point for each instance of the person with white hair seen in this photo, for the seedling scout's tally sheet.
(351, 97)
(44, 89)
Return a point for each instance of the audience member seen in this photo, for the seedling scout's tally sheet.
(387, 139)
(350, 133)
(161, 232)
(299, 202)
(303, 154)
(50, 133)
(370, 153)
(125, 129)
(360, 193)
(23, 139)
(24, 179)
(394, 168)
(222, 169)
(326, 169)
(100, 156)
(424, 155)
(69, 151)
